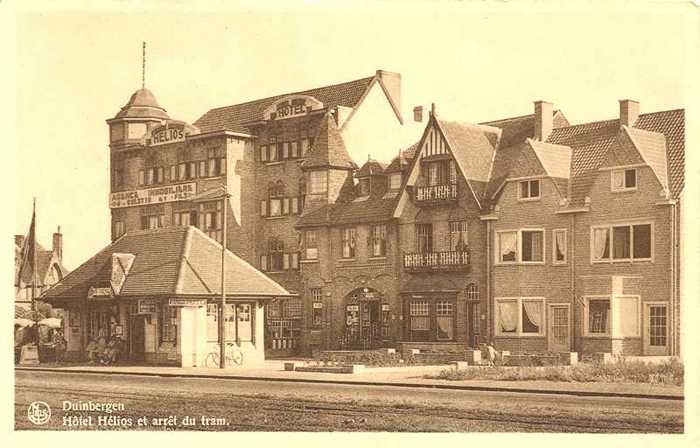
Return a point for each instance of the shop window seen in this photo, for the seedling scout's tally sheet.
(621, 243)
(529, 189)
(379, 240)
(624, 180)
(458, 236)
(424, 238)
(244, 318)
(347, 242)
(559, 246)
(168, 323)
(212, 322)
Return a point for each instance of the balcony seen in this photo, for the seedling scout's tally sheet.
(436, 261)
(436, 194)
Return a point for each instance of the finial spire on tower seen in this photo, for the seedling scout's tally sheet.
(143, 65)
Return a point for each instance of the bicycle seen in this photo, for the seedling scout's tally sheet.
(234, 356)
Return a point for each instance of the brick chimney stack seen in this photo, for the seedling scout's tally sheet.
(543, 120)
(629, 111)
(58, 244)
(418, 114)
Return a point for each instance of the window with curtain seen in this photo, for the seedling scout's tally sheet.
(379, 240)
(532, 316)
(444, 317)
(507, 316)
(601, 244)
(348, 242)
(559, 238)
(598, 316)
(507, 246)
(532, 245)
(311, 244)
(458, 236)
(622, 242)
(419, 311)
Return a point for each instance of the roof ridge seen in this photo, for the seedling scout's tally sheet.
(290, 93)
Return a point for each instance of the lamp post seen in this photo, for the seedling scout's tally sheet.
(222, 307)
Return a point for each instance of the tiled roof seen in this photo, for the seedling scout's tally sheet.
(516, 129)
(473, 147)
(328, 149)
(370, 168)
(652, 147)
(233, 118)
(591, 143)
(44, 261)
(402, 161)
(377, 208)
(555, 159)
(169, 261)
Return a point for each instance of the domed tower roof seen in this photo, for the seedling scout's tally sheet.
(142, 104)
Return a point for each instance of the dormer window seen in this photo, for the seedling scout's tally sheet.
(624, 180)
(364, 187)
(395, 181)
(529, 190)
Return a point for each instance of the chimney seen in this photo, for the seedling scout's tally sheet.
(58, 244)
(392, 84)
(418, 114)
(629, 111)
(543, 120)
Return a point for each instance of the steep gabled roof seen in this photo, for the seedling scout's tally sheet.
(370, 168)
(652, 148)
(235, 117)
(555, 159)
(328, 149)
(168, 261)
(45, 260)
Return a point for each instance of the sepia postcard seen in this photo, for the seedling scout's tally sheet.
(392, 219)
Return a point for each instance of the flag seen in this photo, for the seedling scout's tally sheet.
(28, 252)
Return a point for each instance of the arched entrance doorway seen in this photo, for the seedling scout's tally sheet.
(363, 319)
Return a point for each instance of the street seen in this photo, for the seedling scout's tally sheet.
(122, 402)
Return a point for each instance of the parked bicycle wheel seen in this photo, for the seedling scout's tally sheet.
(236, 357)
(212, 360)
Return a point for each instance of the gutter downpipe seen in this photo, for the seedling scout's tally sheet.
(489, 325)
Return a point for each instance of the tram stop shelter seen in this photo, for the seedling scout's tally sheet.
(159, 290)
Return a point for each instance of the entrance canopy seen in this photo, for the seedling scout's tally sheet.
(167, 262)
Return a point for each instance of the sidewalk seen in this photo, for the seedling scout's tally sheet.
(412, 376)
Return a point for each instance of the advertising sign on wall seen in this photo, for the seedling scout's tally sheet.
(157, 195)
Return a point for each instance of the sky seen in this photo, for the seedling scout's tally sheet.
(477, 62)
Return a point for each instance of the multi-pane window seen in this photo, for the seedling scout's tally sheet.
(277, 203)
(237, 322)
(444, 316)
(519, 316)
(168, 323)
(316, 307)
(424, 238)
(276, 251)
(210, 219)
(657, 325)
(458, 235)
(620, 243)
(318, 182)
(529, 189)
(442, 172)
(419, 311)
(276, 192)
(507, 246)
(149, 222)
(216, 164)
(347, 242)
(311, 244)
(623, 180)
(379, 240)
(293, 308)
(559, 246)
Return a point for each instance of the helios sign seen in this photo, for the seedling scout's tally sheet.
(168, 133)
(157, 195)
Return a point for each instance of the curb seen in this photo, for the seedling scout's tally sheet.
(579, 393)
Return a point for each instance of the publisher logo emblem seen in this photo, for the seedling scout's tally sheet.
(39, 412)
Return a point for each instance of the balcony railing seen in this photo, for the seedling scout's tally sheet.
(436, 261)
(436, 193)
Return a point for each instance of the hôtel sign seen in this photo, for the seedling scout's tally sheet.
(157, 195)
(292, 106)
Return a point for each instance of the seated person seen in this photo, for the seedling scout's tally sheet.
(114, 350)
(91, 351)
(101, 348)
